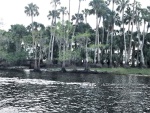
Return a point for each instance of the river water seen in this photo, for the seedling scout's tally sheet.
(73, 93)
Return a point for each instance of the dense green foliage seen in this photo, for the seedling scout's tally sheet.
(121, 36)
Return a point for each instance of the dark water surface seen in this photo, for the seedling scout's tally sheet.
(73, 93)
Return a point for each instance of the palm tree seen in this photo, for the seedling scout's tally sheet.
(35, 26)
(63, 11)
(85, 13)
(78, 12)
(53, 15)
(97, 6)
(146, 18)
(112, 29)
(32, 10)
(41, 42)
(131, 18)
(121, 8)
(128, 21)
(138, 21)
(56, 3)
(73, 34)
(79, 16)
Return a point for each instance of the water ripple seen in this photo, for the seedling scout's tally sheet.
(47, 96)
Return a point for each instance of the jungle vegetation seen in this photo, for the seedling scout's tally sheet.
(121, 37)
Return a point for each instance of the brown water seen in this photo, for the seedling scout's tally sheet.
(74, 93)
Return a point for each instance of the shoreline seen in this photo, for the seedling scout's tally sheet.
(111, 71)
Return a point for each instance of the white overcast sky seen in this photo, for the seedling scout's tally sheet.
(12, 11)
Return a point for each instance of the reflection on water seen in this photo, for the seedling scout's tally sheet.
(75, 94)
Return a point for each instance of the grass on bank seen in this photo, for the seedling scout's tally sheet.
(118, 71)
(125, 71)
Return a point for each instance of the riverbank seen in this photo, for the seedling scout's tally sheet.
(112, 71)
(125, 71)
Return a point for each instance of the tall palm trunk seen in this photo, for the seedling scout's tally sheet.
(133, 55)
(86, 19)
(52, 47)
(124, 37)
(112, 34)
(142, 55)
(52, 39)
(55, 11)
(49, 48)
(34, 45)
(64, 44)
(49, 61)
(69, 12)
(35, 63)
(76, 23)
(96, 40)
(86, 54)
(103, 31)
(40, 52)
(98, 48)
(59, 52)
(139, 41)
(63, 64)
(130, 43)
(107, 37)
(32, 31)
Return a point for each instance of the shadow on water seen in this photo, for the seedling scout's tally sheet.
(73, 93)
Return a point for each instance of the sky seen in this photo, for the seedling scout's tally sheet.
(12, 11)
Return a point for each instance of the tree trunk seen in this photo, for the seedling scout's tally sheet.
(69, 12)
(52, 49)
(50, 43)
(121, 57)
(130, 42)
(142, 55)
(64, 58)
(124, 37)
(59, 61)
(112, 33)
(49, 48)
(132, 20)
(103, 32)
(139, 42)
(133, 55)
(34, 45)
(86, 19)
(35, 63)
(32, 31)
(40, 53)
(86, 54)
(55, 11)
(111, 41)
(107, 37)
(98, 48)
(73, 34)
(64, 45)
(96, 41)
